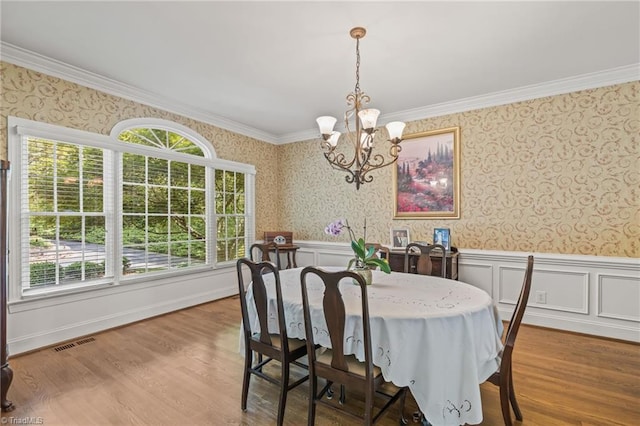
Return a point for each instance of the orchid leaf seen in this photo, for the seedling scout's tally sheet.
(358, 249)
(380, 263)
(370, 252)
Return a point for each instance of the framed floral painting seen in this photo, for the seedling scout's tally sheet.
(426, 179)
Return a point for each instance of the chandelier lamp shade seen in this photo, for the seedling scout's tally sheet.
(363, 134)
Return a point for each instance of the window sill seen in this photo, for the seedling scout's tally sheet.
(42, 298)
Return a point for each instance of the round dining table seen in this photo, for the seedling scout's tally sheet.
(439, 337)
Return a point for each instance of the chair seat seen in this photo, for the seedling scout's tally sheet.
(294, 344)
(355, 366)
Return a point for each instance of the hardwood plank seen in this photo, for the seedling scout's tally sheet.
(185, 368)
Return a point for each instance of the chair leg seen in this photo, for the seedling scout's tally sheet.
(313, 390)
(512, 398)
(284, 386)
(248, 358)
(368, 409)
(403, 419)
(504, 400)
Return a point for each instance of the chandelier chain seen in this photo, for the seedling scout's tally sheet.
(357, 89)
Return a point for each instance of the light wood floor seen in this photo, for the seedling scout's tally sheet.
(184, 369)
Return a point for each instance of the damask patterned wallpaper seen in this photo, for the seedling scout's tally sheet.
(35, 96)
(558, 174)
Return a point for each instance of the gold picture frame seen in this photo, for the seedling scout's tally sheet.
(426, 179)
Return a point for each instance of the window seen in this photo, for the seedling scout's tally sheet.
(64, 211)
(164, 214)
(150, 199)
(230, 213)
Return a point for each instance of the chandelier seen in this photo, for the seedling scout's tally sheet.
(362, 138)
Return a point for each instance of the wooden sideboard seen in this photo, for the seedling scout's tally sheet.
(287, 247)
(396, 262)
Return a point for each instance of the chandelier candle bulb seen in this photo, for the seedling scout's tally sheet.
(333, 139)
(326, 123)
(369, 117)
(364, 158)
(395, 129)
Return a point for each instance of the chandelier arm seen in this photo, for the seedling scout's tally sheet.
(395, 149)
(338, 161)
(350, 178)
(366, 179)
(379, 160)
(365, 156)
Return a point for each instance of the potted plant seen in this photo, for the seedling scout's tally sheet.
(365, 259)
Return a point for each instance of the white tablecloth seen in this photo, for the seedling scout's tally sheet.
(439, 337)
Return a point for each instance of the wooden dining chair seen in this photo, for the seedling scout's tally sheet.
(332, 364)
(383, 251)
(262, 250)
(273, 346)
(423, 264)
(503, 378)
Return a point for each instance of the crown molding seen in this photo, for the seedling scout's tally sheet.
(34, 61)
(55, 68)
(594, 80)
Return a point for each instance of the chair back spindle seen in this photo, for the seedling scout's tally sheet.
(263, 250)
(422, 264)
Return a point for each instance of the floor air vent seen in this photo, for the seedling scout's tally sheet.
(63, 347)
(74, 344)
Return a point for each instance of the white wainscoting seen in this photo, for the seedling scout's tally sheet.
(586, 294)
(33, 324)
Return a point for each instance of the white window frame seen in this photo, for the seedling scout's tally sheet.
(19, 128)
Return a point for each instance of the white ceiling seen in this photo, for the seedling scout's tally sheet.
(268, 69)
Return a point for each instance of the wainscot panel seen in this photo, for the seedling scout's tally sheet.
(585, 294)
(611, 304)
(477, 274)
(555, 289)
(38, 323)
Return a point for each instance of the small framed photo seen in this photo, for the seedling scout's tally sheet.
(399, 238)
(442, 236)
